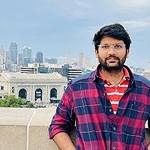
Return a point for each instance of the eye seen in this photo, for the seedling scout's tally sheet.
(118, 46)
(105, 46)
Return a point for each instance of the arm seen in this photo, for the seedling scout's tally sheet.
(63, 141)
(63, 122)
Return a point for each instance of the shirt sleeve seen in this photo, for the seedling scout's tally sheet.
(64, 118)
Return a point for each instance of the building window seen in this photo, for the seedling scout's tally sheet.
(2, 87)
(23, 94)
(38, 94)
(13, 90)
(53, 96)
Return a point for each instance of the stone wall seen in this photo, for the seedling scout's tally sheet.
(26, 129)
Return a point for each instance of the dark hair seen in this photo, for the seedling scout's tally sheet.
(116, 31)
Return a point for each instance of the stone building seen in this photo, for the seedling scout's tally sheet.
(33, 87)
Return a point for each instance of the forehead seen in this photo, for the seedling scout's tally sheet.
(110, 40)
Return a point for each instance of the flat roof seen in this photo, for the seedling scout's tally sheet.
(11, 76)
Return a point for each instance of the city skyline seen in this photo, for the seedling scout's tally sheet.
(56, 29)
(13, 61)
(25, 57)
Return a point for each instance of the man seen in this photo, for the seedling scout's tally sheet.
(110, 105)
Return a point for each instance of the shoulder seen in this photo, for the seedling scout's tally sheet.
(141, 79)
(83, 78)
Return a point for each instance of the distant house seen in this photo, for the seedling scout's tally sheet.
(33, 87)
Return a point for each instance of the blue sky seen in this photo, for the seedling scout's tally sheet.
(57, 27)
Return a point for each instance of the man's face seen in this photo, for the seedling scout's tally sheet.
(112, 54)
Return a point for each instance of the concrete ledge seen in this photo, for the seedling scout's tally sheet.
(12, 137)
(38, 134)
(27, 129)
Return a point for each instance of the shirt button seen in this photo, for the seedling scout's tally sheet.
(114, 128)
(110, 110)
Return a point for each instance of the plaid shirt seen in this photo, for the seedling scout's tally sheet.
(97, 128)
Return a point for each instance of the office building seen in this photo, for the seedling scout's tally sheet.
(20, 60)
(80, 60)
(2, 51)
(27, 51)
(68, 59)
(1, 63)
(39, 57)
(7, 56)
(13, 53)
(2, 56)
(72, 73)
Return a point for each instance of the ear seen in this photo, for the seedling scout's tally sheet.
(128, 51)
(96, 53)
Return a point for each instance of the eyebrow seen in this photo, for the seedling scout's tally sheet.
(110, 44)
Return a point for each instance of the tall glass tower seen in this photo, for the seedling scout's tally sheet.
(26, 55)
(39, 57)
(13, 53)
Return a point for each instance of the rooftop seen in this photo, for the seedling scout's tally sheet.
(10, 76)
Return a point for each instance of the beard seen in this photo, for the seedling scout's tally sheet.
(116, 68)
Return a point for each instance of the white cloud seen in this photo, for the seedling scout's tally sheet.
(132, 24)
(79, 3)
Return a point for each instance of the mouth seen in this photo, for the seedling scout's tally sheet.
(111, 59)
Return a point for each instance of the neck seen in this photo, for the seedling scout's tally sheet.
(114, 77)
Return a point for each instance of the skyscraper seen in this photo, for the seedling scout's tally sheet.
(68, 59)
(80, 60)
(20, 60)
(2, 54)
(7, 56)
(1, 62)
(26, 55)
(39, 57)
(13, 53)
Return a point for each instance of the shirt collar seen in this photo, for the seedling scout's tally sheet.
(97, 75)
(126, 74)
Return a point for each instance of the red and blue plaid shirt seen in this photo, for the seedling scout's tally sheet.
(97, 128)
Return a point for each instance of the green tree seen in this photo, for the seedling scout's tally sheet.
(4, 103)
(12, 101)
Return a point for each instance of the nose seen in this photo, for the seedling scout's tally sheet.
(111, 50)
